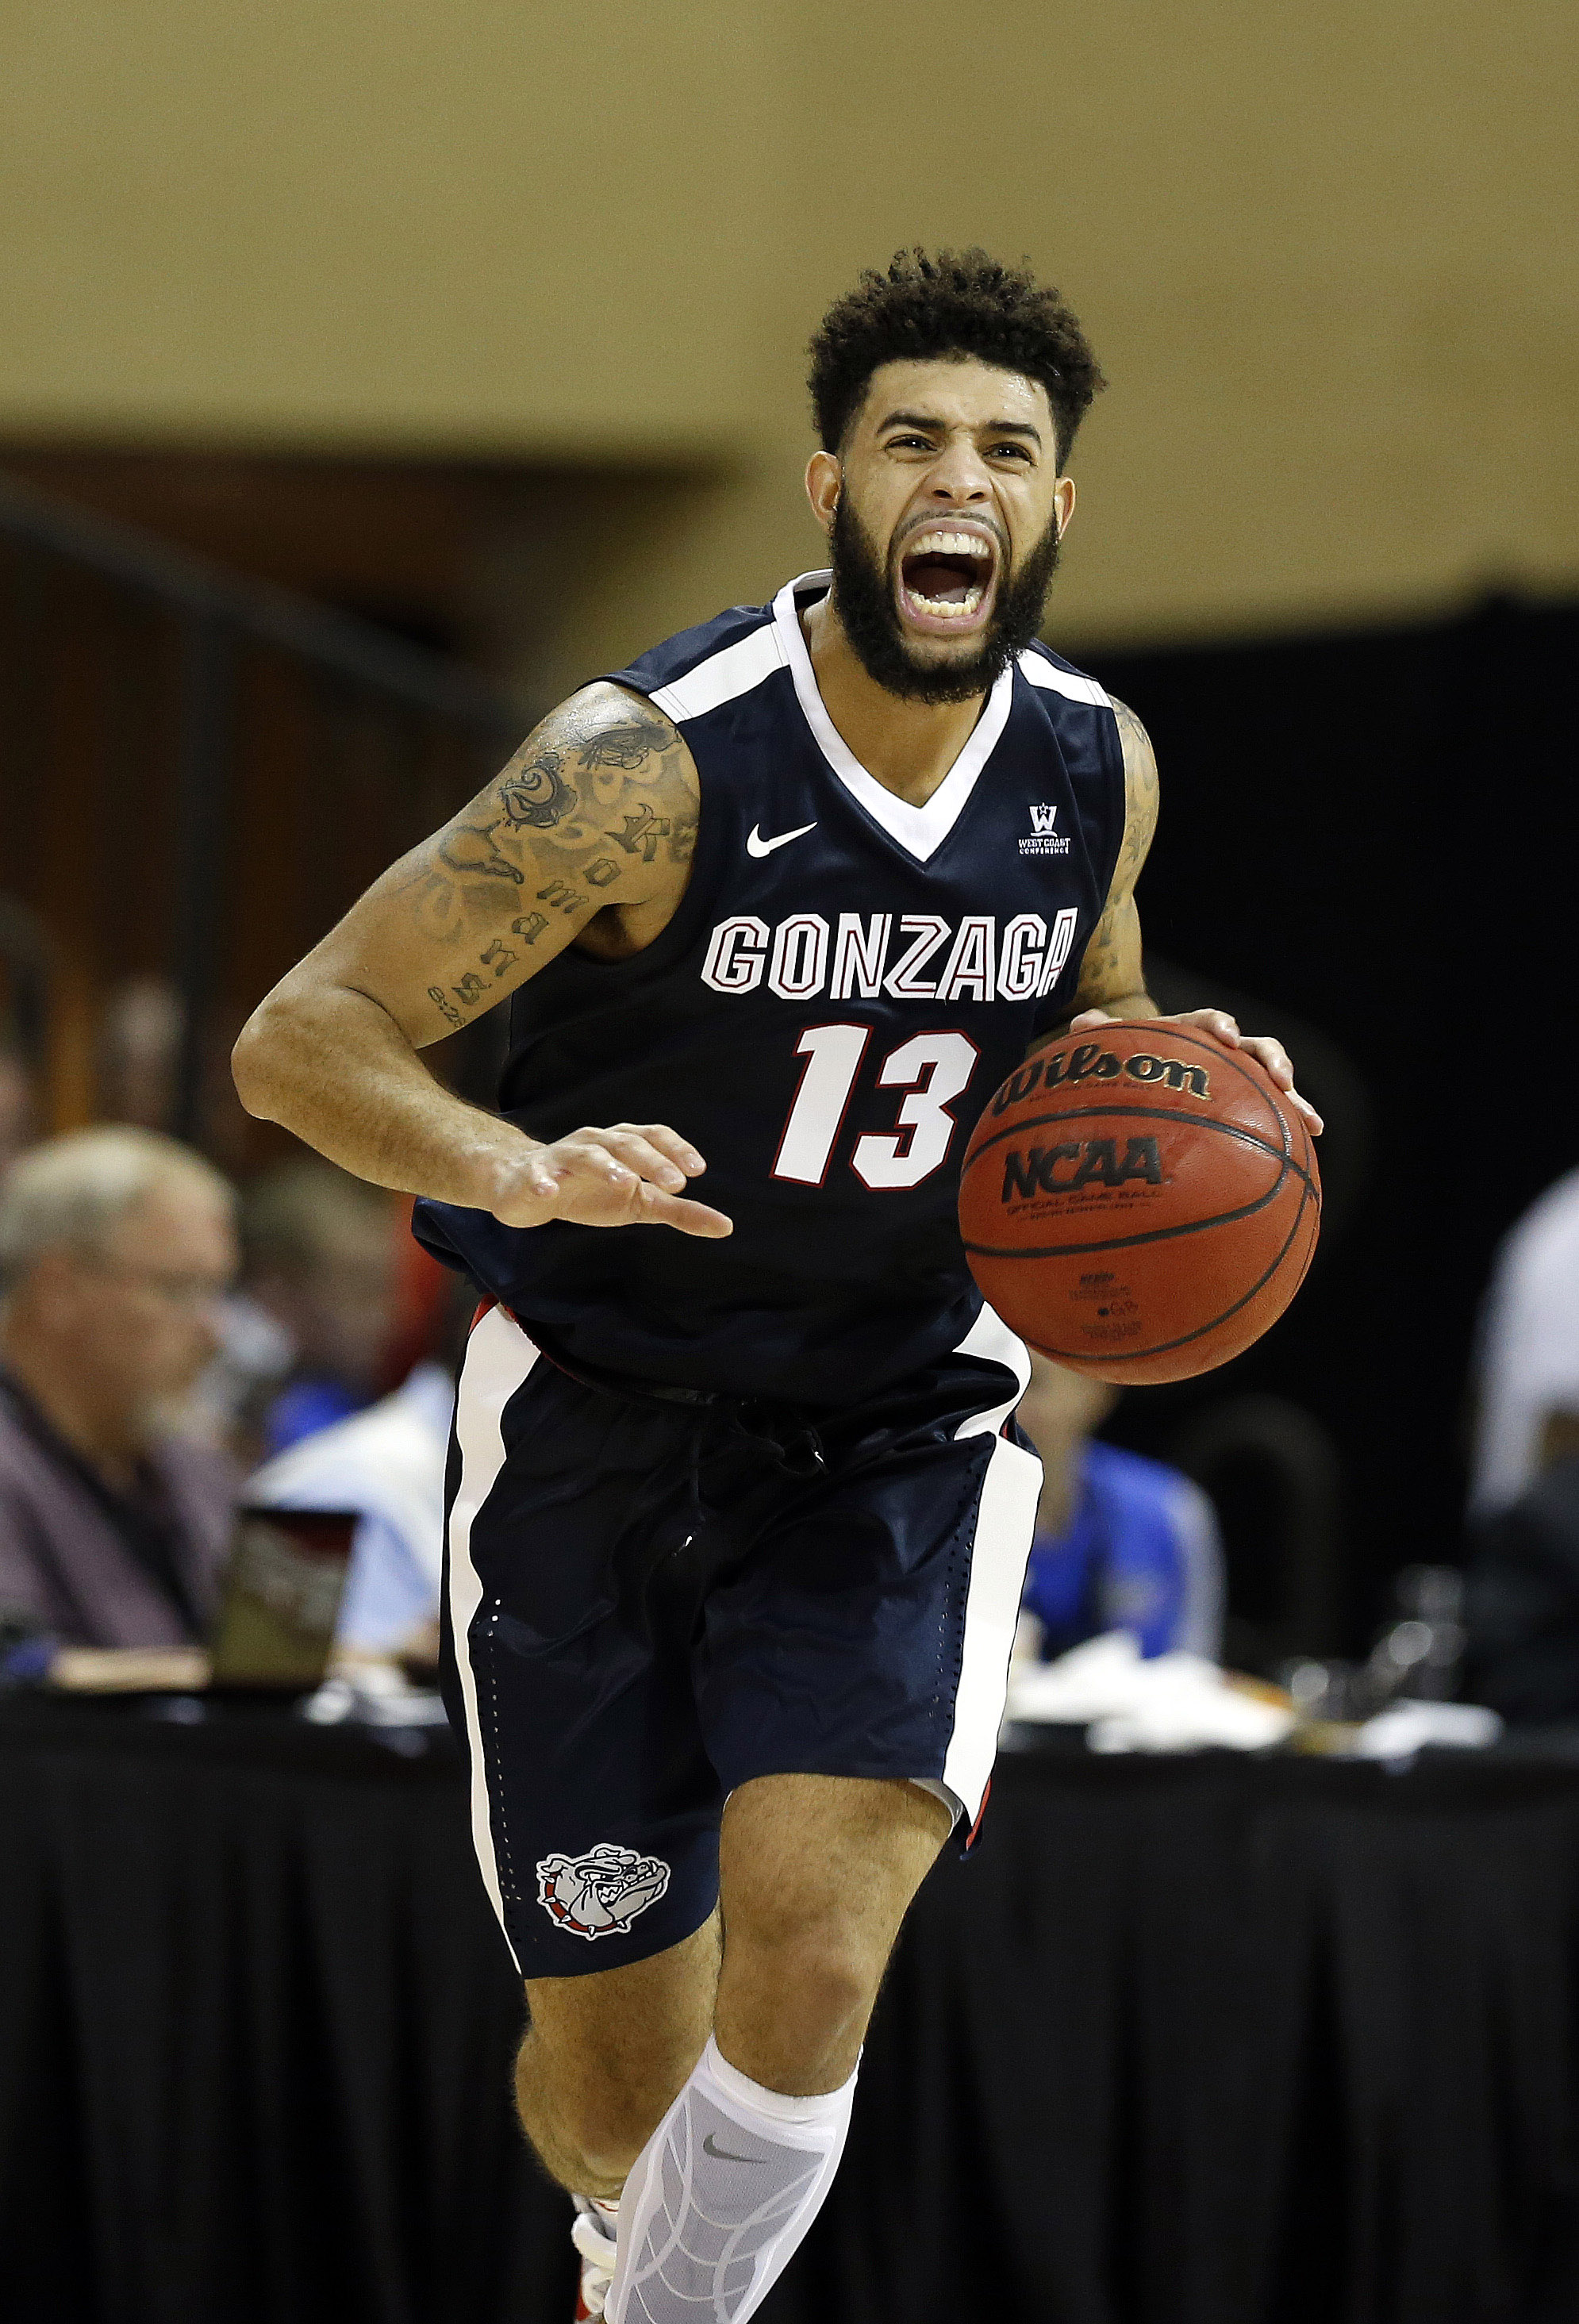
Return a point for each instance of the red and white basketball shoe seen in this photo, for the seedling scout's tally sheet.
(593, 2236)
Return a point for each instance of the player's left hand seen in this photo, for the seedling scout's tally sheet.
(1224, 1028)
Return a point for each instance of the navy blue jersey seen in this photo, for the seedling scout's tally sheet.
(845, 982)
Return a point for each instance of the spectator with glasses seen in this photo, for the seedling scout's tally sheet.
(116, 1246)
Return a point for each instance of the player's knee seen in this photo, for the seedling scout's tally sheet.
(607, 2130)
(817, 1964)
(595, 2118)
(835, 1988)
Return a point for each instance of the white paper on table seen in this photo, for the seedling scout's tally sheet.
(1170, 1703)
(1405, 1728)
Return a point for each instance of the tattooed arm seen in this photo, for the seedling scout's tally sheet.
(1113, 982)
(594, 820)
(1111, 976)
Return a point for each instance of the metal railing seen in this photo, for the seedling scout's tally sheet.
(244, 691)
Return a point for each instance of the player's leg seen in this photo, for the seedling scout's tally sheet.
(606, 2055)
(816, 1873)
(570, 1607)
(863, 1644)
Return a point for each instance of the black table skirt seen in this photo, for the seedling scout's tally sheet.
(1193, 2041)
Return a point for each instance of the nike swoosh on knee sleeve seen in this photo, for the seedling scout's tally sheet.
(722, 2153)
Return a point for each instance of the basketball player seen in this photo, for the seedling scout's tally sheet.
(739, 1521)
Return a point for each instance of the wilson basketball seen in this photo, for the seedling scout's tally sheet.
(1140, 1203)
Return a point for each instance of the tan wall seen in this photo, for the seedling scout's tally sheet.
(1326, 250)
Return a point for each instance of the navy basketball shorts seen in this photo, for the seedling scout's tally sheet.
(649, 1603)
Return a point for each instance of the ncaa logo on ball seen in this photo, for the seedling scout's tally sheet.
(1096, 1163)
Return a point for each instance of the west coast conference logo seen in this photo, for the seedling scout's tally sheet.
(909, 956)
(1044, 840)
(600, 1894)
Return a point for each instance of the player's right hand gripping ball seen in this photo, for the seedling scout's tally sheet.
(1139, 1202)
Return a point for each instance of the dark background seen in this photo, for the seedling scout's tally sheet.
(1206, 2040)
(1372, 832)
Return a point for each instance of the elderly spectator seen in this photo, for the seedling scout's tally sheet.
(115, 1247)
(320, 1261)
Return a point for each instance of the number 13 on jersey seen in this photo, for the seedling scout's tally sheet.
(934, 1068)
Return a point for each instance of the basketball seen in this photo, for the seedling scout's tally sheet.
(1140, 1203)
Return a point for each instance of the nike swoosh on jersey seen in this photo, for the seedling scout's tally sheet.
(757, 846)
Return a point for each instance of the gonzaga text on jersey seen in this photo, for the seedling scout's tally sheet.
(910, 955)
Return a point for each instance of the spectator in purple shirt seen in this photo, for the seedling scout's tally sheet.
(116, 1246)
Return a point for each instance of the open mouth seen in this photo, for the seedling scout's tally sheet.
(947, 577)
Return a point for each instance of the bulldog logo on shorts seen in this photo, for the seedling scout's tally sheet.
(600, 1894)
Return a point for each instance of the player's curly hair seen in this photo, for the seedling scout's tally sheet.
(950, 302)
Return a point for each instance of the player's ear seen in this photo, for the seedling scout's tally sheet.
(1064, 502)
(824, 477)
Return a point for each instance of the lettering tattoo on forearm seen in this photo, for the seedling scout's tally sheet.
(530, 926)
(444, 1006)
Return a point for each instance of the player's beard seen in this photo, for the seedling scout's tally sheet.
(864, 594)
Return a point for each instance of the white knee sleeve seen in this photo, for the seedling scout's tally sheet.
(720, 2196)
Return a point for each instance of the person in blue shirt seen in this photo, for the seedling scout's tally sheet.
(1123, 1542)
(387, 1463)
